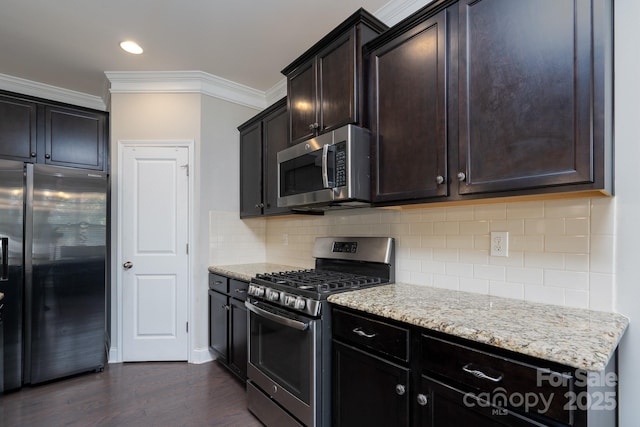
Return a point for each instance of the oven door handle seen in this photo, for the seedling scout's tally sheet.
(301, 326)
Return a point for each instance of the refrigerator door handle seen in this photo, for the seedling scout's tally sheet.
(4, 273)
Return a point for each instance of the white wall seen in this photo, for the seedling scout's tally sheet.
(211, 124)
(627, 157)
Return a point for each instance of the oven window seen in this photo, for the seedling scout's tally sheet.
(284, 354)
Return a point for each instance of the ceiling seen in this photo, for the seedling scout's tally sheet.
(71, 43)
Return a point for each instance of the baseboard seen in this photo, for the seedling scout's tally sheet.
(201, 355)
(114, 356)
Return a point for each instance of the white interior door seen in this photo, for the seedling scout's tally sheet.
(154, 237)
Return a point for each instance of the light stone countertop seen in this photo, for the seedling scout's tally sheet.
(246, 272)
(575, 337)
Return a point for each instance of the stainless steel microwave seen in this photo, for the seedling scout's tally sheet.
(329, 170)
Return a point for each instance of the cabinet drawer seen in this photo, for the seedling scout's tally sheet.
(517, 385)
(238, 289)
(375, 335)
(218, 283)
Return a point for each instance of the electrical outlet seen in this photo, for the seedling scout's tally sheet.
(499, 243)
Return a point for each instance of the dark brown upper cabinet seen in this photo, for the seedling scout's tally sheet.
(502, 98)
(408, 113)
(75, 137)
(33, 130)
(261, 138)
(530, 103)
(324, 85)
(17, 128)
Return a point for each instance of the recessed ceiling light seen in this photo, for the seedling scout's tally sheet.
(131, 47)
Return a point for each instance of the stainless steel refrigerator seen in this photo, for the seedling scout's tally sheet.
(53, 224)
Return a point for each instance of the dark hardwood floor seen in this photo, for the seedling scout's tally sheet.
(133, 394)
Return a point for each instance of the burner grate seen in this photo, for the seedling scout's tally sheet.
(322, 281)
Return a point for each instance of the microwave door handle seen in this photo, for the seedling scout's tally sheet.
(325, 172)
(325, 166)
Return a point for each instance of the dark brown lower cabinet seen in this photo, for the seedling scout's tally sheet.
(388, 373)
(368, 390)
(228, 323)
(444, 406)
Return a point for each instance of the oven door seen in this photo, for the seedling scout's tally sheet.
(283, 350)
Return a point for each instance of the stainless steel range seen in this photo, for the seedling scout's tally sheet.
(289, 366)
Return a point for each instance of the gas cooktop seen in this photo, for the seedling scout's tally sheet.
(342, 264)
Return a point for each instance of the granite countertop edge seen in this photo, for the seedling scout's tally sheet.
(579, 338)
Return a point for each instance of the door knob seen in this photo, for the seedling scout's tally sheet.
(127, 265)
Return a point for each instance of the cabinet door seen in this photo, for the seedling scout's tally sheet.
(525, 94)
(440, 405)
(367, 390)
(219, 324)
(238, 355)
(17, 129)
(251, 171)
(337, 83)
(301, 92)
(74, 138)
(276, 138)
(407, 77)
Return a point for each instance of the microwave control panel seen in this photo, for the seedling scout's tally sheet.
(341, 164)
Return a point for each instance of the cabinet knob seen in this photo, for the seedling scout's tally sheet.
(439, 179)
(311, 126)
(47, 156)
(33, 154)
(400, 389)
(422, 399)
(461, 176)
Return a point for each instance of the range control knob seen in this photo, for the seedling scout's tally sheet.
(273, 295)
(300, 303)
(289, 301)
(258, 292)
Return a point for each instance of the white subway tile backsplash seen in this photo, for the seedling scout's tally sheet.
(567, 244)
(567, 279)
(506, 289)
(489, 272)
(544, 260)
(446, 282)
(602, 256)
(569, 208)
(474, 227)
(527, 243)
(601, 292)
(513, 226)
(459, 213)
(576, 262)
(441, 228)
(523, 210)
(459, 242)
(445, 255)
(544, 294)
(560, 251)
(478, 286)
(490, 211)
(533, 276)
(576, 298)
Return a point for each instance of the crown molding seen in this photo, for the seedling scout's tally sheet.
(396, 10)
(185, 82)
(45, 91)
(276, 92)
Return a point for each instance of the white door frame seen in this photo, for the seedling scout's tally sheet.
(116, 186)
